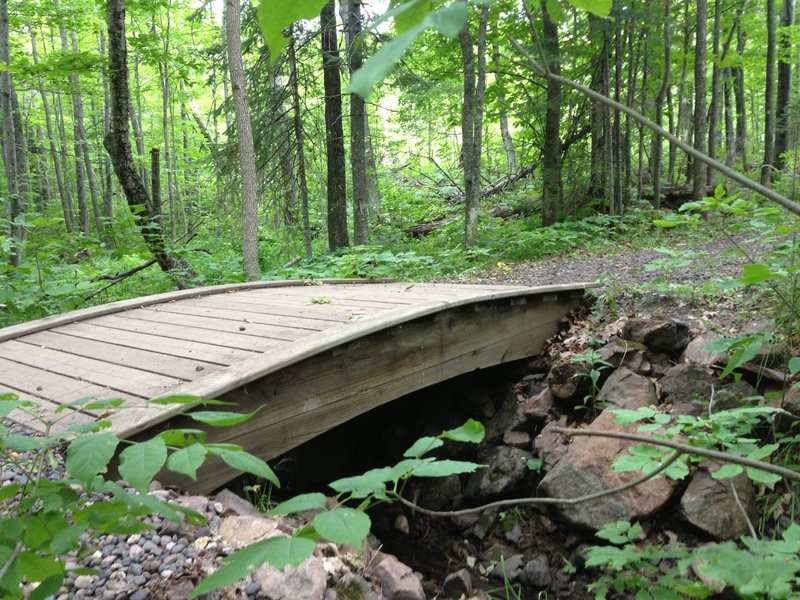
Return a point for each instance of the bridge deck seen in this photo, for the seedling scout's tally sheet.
(313, 356)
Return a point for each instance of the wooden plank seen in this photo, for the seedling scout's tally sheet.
(392, 293)
(316, 305)
(43, 413)
(238, 326)
(185, 333)
(184, 308)
(327, 297)
(52, 386)
(204, 352)
(144, 360)
(121, 378)
(314, 395)
(85, 313)
(332, 315)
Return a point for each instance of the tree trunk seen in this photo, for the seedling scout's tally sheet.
(474, 72)
(769, 97)
(297, 122)
(244, 134)
(551, 162)
(136, 123)
(699, 171)
(358, 119)
(716, 92)
(118, 145)
(334, 134)
(739, 98)
(63, 188)
(783, 99)
(684, 100)
(657, 149)
(597, 178)
(505, 133)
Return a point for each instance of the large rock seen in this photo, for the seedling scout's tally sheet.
(667, 336)
(537, 407)
(688, 387)
(735, 395)
(233, 504)
(397, 580)
(306, 582)
(506, 471)
(696, 352)
(710, 505)
(509, 417)
(626, 353)
(550, 445)
(586, 469)
(238, 531)
(569, 383)
(625, 389)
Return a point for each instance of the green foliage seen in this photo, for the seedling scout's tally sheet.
(44, 519)
(596, 365)
(754, 568)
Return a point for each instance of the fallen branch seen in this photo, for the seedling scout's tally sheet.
(518, 501)
(742, 461)
(117, 277)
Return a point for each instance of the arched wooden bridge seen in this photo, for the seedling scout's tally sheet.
(312, 356)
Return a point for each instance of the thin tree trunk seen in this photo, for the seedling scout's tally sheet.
(699, 171)
(783, 99)
(358, 118)
(334, 134)
(769, 97)
(19, 202)
(551, 161)
(658, 145)
(740, 101)
(108, 209)
(505, 133)
(118, 145)
(244, 134)
(297, 122)
(684, 101)
(730, 130)
(63, 188)
(716, 92)
(136, 123)
(372, 170)
(598, 187)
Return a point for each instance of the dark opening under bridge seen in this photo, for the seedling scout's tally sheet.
(311, 356)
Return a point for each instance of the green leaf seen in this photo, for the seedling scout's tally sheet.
(48, 587)
(726, 471)
(535, 464)
(138, 464)
(244, 461)
(277, 551)
(23, 443)
(600, 8)
(366, 484)
(765, 477)
(180, 438)
(38, 568)
(301, 503)
(557, 14)
(755, 273)
(187, 460)
(422, 446)
(443, 468)
(104, 404)
(410, 14)
(9, 491)
(42, 527)
(221, 418)
(343, 526)
(7, 406)
(794, 365)
(448, 20)
(276, 15)
(177, 399)
(90, 454)
(741, 355)
(472, 431)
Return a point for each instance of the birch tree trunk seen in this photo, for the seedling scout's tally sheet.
(658, 145)
(551, 162)
(783, 99)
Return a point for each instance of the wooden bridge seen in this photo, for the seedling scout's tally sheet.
(312, 356)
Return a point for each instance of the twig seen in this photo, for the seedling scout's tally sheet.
(115, 279)
(738, 502)
(686, 449)
(702, 157)
(519, 501)
(292, 262)
(10, 561)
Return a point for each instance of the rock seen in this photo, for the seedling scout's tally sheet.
(180, 590)
(696, 353)
(570, 383)
(508, 568)
(438, 492)
(688, 387)
(458, 585)
(626, 353)
(238, 531)
(708, 503)
(551, 446)
(506, 471)
(510, 417)
(484, 523)
(667, 336)
(196, 503)
(536, 572)
(139, 595)
(397, 580)
(734, 395)
(354, 587)
(788, 400)
(585, 468)
(231, 503)
(517, 439)
(306, 582)
(537, 408)
(625, 389)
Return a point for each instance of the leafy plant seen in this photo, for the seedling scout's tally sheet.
(596, 365)
(44, 518)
